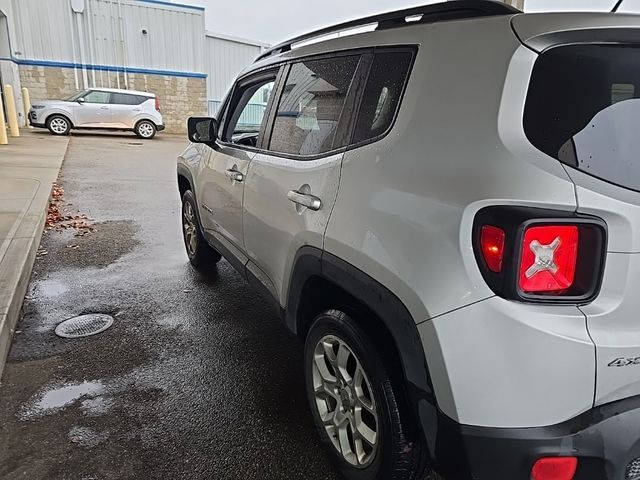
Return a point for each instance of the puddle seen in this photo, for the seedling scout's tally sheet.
(50, 288)
(53, 400)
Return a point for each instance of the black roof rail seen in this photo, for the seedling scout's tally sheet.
(436, 12)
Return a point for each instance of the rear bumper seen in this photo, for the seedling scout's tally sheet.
(605, 440)
(160, 127)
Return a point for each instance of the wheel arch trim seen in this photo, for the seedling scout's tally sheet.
(312, 262)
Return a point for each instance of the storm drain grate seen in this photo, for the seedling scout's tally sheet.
(84, 325)
(633, 470)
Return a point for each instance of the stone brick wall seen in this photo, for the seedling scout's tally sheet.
(179, 97)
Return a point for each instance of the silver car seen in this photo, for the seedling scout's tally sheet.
(100, 108)
(446, 210)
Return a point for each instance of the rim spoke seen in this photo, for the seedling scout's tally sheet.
(330, 354)
(363, 430)
(342, 358)
(326, 388)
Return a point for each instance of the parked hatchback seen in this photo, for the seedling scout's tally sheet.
(100, 108)
(446, 210)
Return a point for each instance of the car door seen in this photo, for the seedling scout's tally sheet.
(93, 110)
(124, 108)
(221, 179)
(292, 183)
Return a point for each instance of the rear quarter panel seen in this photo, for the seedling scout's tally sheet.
(406, 203)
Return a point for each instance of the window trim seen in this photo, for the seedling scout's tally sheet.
(280, 82)
(413, 49)
(358, 76)
(361, 75)
(229, 101)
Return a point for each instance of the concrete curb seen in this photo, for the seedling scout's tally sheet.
(32, 183)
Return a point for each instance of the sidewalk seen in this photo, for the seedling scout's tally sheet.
(28, 168)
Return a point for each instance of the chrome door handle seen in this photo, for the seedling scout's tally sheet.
(305, 199)
(235, 175)
(104, 108)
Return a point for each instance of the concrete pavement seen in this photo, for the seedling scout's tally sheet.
(28, 167)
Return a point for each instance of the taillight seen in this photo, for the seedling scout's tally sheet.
(555, 468)
(537, 255)
(492, 244)
(157, 104)
(548, 258)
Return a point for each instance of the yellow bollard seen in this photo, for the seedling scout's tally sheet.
(3, 126)
(26, 103)
(11, 111)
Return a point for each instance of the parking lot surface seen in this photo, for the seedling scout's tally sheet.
(196, 378)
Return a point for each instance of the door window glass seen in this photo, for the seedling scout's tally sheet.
(245, 118)
(97, 96)
(311, 105)
(382, 94)
(127, 99)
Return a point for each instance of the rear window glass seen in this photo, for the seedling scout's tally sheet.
(381, 95)
(583, 108)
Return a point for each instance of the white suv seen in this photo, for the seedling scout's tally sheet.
(447, 210)
(100, 108)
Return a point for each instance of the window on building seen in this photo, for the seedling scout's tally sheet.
(247, 111)
(127, 99)
(96, 96)
(311, 106)
(382, 94)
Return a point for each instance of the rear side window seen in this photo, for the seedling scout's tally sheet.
(127, 99)
(311, 106)
(382, 95)
(583, 108)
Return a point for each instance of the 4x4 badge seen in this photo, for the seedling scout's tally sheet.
(623, 362)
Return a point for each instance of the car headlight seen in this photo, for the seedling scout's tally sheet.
(37, 107)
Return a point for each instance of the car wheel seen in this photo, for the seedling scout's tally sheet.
(59, 125)
(354, 405)
(199, 251)
(145, 129)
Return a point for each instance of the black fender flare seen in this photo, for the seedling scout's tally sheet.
(313, 262)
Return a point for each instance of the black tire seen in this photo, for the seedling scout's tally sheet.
(146, 129)
(397, 457)
(58, 125)
(200, 253)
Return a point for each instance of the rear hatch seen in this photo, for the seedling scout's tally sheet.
(583, 109)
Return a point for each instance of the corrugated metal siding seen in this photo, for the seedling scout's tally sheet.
(48, 31)
(225, 59)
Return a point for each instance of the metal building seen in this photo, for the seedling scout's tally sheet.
(226, 56)
(56, 47)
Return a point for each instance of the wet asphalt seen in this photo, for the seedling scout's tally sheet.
(196, 379)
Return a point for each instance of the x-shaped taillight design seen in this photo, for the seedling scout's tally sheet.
(545, 257)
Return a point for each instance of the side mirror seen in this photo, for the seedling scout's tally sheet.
(202, 129)
(80, 100)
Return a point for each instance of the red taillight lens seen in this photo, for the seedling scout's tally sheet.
(157, 104)
(555, 468)
(548, 260)
(492, 246)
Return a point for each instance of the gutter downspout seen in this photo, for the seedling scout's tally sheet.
(123, 45)
(73, 50)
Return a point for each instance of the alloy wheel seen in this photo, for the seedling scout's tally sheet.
(59, 125)
(345, 401)
(145, 130)
(190, 229)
